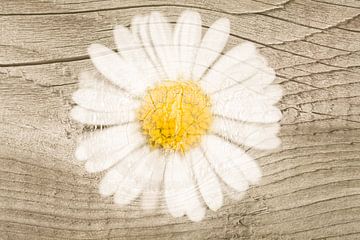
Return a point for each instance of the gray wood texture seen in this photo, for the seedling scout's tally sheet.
(311, 185)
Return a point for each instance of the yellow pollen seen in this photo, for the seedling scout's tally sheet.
(174, 115)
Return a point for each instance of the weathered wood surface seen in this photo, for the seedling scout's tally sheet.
(311, 187)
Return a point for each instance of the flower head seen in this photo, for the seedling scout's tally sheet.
(177, 112)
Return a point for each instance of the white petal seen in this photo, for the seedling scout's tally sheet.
(137, 179)
(116, 69)
(207, 180)
(194, 207)
(131, 50)
(236, 56)
(262, 79)
(231, 153)
(109, 184)
(89, 79)
(136, 21)
(98, 100)
(161, 36)
(141, 24)
(245, 104)
(173, 185)
(232, 194)
(108, 157)
(119, 173)
(124, 114)
(152, 192)
(260, 136)
(180, 192)
(273, 93)
(233, 76)
(128, 45)
(220, 156)
(95, 81)
(196, 212)
(138, 175)
(107, 139)
(250, 74)
(211, 46)
(187, 38)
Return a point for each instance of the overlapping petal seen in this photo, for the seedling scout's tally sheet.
(117, 70)
(187, 37)
(211, 46)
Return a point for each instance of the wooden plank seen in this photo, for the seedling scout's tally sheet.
(311, 185)
(33, 7)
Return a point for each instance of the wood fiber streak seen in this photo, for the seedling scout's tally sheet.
(311, 184)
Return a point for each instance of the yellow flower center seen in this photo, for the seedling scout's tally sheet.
(174, 115)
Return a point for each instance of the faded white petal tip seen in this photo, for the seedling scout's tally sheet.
(196, 215)
(80, 154)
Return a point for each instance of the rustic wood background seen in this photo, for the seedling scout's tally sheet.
(311, 187)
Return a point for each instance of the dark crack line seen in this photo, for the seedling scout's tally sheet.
(335, 4)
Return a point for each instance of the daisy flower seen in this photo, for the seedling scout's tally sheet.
(178, 114)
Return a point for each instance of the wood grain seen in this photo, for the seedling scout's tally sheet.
(311, 185)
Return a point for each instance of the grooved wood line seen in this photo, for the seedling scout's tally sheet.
(311, 184)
